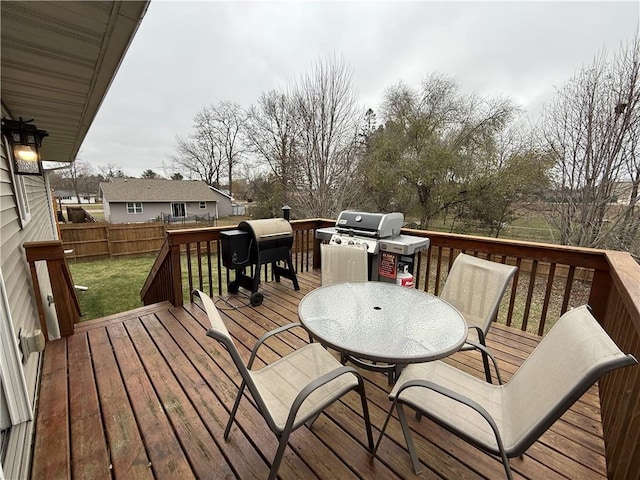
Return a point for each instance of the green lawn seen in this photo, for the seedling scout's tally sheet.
(113, 285)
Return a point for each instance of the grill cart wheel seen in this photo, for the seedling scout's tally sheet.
(256, 299)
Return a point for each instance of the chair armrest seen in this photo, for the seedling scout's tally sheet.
(456, 397)
(313, 386)
(268, 335)
(489, 354)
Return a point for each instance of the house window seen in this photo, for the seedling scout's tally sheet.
(179, 209)
(134, 207)
(66, 197)
(203, 204)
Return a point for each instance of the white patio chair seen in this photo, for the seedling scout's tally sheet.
(475, 287)
(293, 390)
(507, 419)
(343, 264)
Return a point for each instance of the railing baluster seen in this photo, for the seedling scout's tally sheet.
(189, 272)
(547, 297)
(567, 289)
(199, 263)
(532, 284)
(514, 290)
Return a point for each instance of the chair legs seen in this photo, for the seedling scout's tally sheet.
(405, 430)
(485, 357)
(275, 465)
(234, 410)
(365, 413)
(283, 438)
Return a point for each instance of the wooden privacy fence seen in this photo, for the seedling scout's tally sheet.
(106, 240)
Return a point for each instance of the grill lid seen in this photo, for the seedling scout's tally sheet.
(267, 228)
(380, 225)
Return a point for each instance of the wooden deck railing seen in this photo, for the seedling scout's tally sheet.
(191, 259)
(551, 279)
(62, 287)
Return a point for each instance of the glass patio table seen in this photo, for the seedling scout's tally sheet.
(382, 326)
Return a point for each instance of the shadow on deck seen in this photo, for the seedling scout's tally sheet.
(146, 394)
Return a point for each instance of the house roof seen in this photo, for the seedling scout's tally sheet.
(58, 61)
(147, 190)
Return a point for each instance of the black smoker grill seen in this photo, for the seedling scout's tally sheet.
(253, 244)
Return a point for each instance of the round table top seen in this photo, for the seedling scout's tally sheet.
(383, 322)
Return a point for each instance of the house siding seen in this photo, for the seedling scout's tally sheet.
(18, 284)
(153, 210)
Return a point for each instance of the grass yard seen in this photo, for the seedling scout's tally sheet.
(114, 285)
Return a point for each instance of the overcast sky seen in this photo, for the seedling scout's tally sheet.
(187, 55)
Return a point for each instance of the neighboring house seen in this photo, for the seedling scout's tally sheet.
(621, 193)
(70, 197)
(57, 62)
(131, 200)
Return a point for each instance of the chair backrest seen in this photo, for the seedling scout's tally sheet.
(343, 264)
(475, 287)
(564, 365)
(219, 332)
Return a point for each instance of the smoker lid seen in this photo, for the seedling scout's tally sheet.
(267, 228)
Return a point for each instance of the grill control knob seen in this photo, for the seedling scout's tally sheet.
(351, 242)
(338, 241)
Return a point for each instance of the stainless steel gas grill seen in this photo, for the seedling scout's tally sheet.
(389, 251)
(255, 243)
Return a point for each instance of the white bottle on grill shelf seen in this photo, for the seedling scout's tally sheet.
(404, 278)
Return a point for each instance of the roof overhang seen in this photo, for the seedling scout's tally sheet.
(58, 61)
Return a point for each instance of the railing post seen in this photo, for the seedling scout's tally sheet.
(600, 292)
(62, 287)
(176, 275)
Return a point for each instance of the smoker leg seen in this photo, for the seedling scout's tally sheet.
(294, 278)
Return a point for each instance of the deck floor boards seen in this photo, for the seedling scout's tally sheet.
(146, 394)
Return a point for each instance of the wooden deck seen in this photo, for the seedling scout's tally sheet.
(146, 394)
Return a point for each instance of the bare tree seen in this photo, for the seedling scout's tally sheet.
(328, 118)
(79, 176)
(109, 171)
(591, 127)
(200, 153)
(214, 145)
(229, 121)
(272, 136)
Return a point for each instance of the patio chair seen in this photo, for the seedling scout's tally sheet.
(475, 287)
(291, 391)
(507, 419)
(343, 264)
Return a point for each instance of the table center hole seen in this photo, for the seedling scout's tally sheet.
(377, 308)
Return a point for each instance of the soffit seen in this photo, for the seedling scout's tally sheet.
(58, 60)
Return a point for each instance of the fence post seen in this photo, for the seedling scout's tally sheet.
(107, 236)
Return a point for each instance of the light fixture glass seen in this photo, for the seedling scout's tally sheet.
(25, 139)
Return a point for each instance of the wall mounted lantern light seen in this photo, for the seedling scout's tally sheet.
(25, 140)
